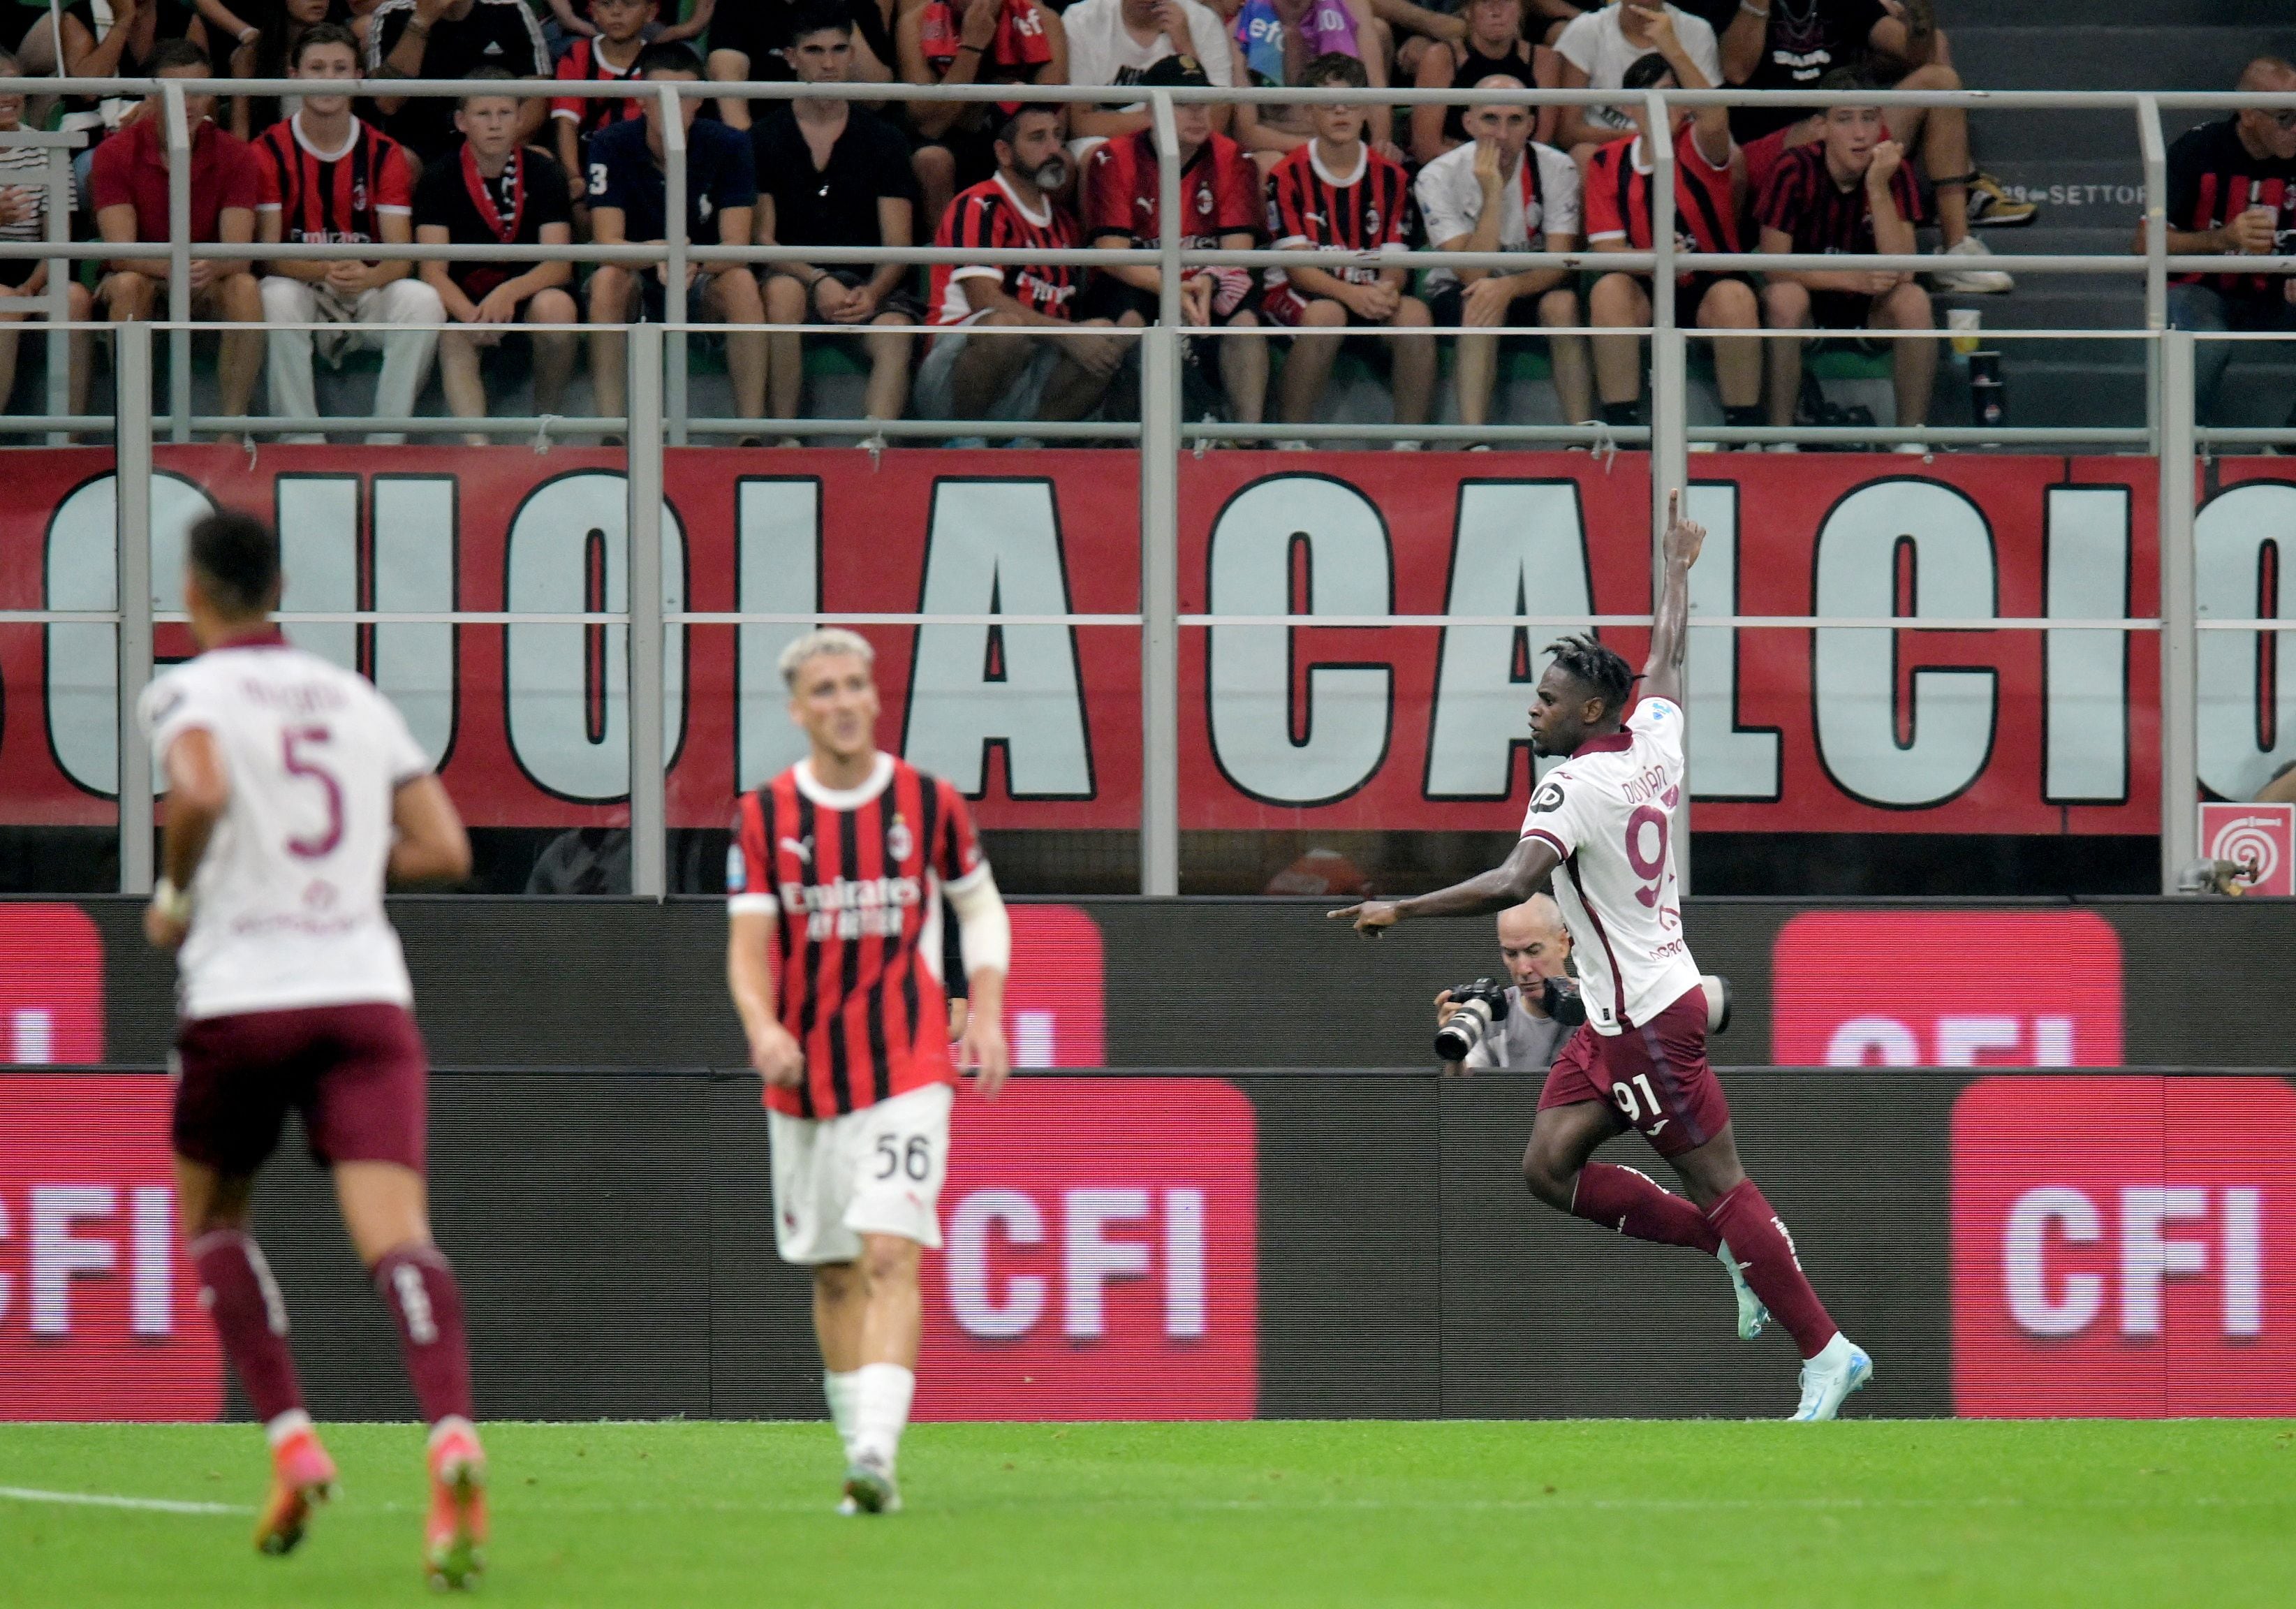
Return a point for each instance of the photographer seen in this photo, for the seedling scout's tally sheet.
(1536, 948)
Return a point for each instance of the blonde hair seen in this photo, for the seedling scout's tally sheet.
(813, 645)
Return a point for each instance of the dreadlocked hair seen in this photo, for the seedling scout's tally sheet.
(1596, 668)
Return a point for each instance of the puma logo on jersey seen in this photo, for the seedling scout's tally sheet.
(802, 848)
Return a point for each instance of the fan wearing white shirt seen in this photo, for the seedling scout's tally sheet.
(1597, 49)
(1115, 41)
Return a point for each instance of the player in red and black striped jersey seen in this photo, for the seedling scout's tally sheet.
(1709, 192)
(1335, 193)
(1850, 193)
(612, 57)
(1222, 205)
(327, 176)
(1013, 377)
(834, 887)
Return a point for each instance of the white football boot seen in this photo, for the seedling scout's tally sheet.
(1841, 1367)
(1752, 1316)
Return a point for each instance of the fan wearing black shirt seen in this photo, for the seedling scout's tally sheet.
(451, 39)
(833, 174)
(496, 191)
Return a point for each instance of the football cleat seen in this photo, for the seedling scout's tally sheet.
(869, 1486)
(454, 1538)
(1752, 1316)
(1841, 1367)
(301, 1474)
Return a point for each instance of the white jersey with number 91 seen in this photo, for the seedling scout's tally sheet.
(287, 906)
(1608, 811)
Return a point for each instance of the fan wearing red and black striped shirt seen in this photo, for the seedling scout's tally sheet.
(1849, 192)
(1336, 194)
(1710, 186)
(834, 886)
(329, 177)
(610, 58)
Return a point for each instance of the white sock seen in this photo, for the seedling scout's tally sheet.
(289, 1424)
(881, 1409)
(843, 1392)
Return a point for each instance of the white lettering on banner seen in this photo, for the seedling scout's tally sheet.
(2241, 742)
(319, 557)
(2084, 674)
(1521, 549)
(970, 1296)
(1090, 1259)
(151, 1298)
(1960, 1041)
(1963, 1041)
(56, 1255)
(5, 1284)
(1861, 1040)
(1728, 760)
(2150, 1255)
(776, 570)
(1950, 725)
(417, 571)
(568, 532)
(1345, 725)
(994, 547)
(1184, 1263)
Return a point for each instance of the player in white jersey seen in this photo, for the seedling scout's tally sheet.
(294, 790)
(1600, 830)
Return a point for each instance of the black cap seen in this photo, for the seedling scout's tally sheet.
(1174, 72)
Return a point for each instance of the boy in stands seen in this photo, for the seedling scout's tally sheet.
(833, 893)
(294, 789)
(610, 57)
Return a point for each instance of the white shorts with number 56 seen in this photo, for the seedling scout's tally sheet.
(876, 1171)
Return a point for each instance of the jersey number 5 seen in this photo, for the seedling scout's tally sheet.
(298, 764)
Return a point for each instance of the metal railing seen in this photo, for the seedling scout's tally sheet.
(659, 413)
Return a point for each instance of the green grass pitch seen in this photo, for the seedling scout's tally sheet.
(1524, 1515)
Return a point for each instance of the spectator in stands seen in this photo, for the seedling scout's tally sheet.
(572, 20)
(970, 42)
(749, 42)
(114, 47)
(2231, 189)
(609, 54)
(1048, 377)
(1336, 194)
(1710, 188)
(330, 178)
(833, 173)
(127, 187)
(1115, 41)
(1498, 192)
(1597, 49)
(629, 201)
(496, 191)
(24, 280)
(450, 39)
(1794, 45)
(1850, 193)
(1274, 42)
(1492, 47)
(265, 33)
(1223, 207)
(1418, 29)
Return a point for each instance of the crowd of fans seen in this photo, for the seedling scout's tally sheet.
(497, 170)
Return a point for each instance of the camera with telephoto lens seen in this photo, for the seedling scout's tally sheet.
(1477, 1005)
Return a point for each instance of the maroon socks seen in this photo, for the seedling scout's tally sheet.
(417, 1283)
(1766, 1259)
(1632, 1203)
(250, 1319)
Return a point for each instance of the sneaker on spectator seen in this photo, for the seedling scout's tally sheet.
(1970, 281)
(1992, 207)
(1406, 444)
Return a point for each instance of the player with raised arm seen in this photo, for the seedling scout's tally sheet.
(294, 789)
(837, 872)
(1599, 829)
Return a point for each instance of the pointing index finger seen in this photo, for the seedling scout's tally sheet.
(1673, 505)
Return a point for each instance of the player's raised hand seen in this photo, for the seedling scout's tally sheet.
(1889, 156)
(1683, 538)
(1373, 917)
(983, 1049)
(778, 1057)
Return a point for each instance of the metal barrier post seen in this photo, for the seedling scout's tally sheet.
(179, 262)
(648, 831)
(675, 180)
(2155, 152)
(2180, 760)
(60, 283)
(132, 569)
(1160, 535)
(1670, 396)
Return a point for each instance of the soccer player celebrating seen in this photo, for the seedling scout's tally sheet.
(1600, 828)
(294, 790)
(838, 871)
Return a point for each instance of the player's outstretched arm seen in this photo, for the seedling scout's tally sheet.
(1515, 880)
(431, 846)
(1670, 621)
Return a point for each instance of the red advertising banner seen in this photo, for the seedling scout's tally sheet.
(1895, 989)
(1290, 724)
(1100, 1255)
(99, 1308)
(51, 987)
(2122, 1246)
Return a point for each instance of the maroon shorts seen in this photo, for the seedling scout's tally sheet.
(1655, 1074)
(356, 1072)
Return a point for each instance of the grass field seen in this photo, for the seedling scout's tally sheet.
(1531, 1515)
